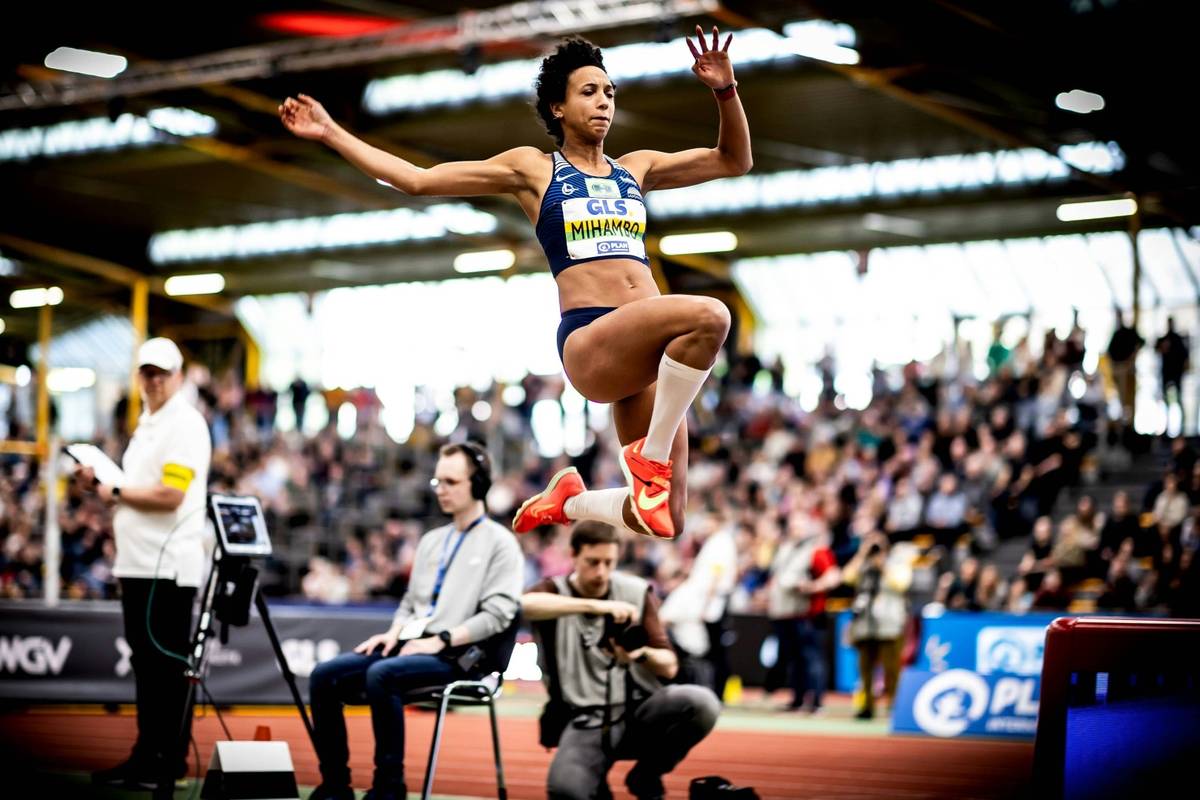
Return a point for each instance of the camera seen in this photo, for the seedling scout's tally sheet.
(625, 635)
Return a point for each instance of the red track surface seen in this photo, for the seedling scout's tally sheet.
(778, 765)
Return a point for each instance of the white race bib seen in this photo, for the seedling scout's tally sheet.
(604, 227)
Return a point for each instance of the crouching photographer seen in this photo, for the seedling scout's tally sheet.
(604, 657)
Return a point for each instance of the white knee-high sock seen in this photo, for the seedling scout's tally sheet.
(602, 505)
(678, 385)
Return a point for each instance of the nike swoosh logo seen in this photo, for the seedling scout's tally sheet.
(562, 175)
(646, 503)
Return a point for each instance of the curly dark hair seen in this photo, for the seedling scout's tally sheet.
(551, 86)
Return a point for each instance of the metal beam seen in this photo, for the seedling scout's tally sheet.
(110, 271)
(253, 101)
(318, 182)
(714, 267)
(18, 447)
(138, 314)
(1135, 226)
(45, 322)
(308, 179)
(449, 34)
(660, 277)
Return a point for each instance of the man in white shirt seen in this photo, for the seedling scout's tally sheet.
(158, 523)
(695, 610)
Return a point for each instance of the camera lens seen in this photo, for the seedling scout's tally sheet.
(624, 634)
(634, 637)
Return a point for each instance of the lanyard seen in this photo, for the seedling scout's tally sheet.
(444, 563)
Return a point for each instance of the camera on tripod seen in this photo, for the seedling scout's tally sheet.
(242, 534)
(229, 593)
(626, 635)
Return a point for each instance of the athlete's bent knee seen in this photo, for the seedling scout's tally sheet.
(712, 319)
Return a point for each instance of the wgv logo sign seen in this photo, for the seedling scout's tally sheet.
(33, 655)
(959, 701)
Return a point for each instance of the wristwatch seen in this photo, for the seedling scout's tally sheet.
(116, 493)
(445, 637)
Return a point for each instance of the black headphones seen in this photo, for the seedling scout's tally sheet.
(481, 475)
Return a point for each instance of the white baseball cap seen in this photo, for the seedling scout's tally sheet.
(161, 353)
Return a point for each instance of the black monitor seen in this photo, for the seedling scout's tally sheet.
(241, 527)
(1120, 708)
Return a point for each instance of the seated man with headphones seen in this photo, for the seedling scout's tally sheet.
(465, 587)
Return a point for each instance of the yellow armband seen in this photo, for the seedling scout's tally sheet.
(177, 476)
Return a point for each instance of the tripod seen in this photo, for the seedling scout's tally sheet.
(231, 588)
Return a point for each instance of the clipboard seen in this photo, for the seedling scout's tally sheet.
(89, 455)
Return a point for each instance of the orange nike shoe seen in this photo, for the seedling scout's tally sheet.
(546, 508)
(649, 490)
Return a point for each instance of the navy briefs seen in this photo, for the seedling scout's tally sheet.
(576, 318)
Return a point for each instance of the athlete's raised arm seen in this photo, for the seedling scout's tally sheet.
(510, 172)
(732, 154)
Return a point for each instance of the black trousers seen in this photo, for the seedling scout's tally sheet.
(718, 654)
(159, 678)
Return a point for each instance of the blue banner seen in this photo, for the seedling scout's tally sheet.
(985, 642)
(845, 657)
(959, 702)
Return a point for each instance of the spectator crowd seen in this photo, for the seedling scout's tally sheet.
(986, 489)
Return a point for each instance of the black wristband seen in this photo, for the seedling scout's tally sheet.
(445, 637)
(726, 92)
(642, 659)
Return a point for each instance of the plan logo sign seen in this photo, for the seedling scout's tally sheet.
(960, 702)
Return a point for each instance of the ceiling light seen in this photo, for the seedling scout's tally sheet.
(70, 379)
(326, 23)
(204, 283)
(102, 133)
(86, 62)
(484, 261)
(1079, 101)
(287, 236)
(1097, 209)
(681, 244)
(36, 298)
(888, 223)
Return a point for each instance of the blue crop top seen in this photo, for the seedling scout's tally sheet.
(585, 218)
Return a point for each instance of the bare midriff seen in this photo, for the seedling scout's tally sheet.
(609, 283)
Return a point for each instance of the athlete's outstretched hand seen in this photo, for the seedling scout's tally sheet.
(305, 117)
(712, 66)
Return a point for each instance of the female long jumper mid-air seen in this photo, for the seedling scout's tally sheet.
(620, 341)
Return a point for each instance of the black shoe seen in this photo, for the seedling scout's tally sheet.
(327, 791)
(643, 785)
(866, 713)
(129, 774)
(399, 792)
